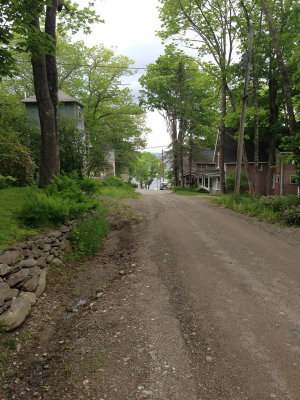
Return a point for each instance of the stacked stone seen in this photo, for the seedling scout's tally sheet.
(23, 271)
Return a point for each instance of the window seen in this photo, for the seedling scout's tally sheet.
(206, 182)
(293, 180)
(200, 181)
(273, 181)
(277, 179)
(259, 167)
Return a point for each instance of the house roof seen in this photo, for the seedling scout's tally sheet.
(62, 97)
(203, 155)
(231, 144)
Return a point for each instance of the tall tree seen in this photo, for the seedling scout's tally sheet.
(36, 23)
(213, 23)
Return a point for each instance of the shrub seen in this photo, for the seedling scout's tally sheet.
(230, 181)
(43, 210)
(15, 159)
(65, 187)
(87, 236)
(291, 215)
(113, 181)
(6, 181)
(88, 185)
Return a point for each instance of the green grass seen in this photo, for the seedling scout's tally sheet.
(119, 193)
(11, 202)
(271, 209)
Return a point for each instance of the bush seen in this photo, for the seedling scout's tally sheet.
(6, 181)
(88, 185)
(189, 189)
(43, 210)
(86, 238)
(266, 208)
(15, 159)
(58, 202)
(65, 187)
(291, 215)
(113, 181)
(230, 181)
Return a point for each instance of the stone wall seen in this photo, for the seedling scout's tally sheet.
(23, 271)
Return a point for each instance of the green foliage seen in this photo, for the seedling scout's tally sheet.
(189, 189)
(267, 208)
(88, 234)
(89, 186)
(72, 146)
(291, 216)
(15, 159)
(112, 182)
(230, 181)
(146, 168)
(58, 202)
(11, 203)
(41, 209)
(116, 188)
(6, 181)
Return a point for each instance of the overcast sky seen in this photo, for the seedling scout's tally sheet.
(130, 27)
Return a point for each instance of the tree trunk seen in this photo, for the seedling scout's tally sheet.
(180, 143)
(284, 73)
(256, 128)
(274, 115)
(50, 164)
(241, 146)
(191, 159)
(52, 76)
(175, 149)
(222, 133)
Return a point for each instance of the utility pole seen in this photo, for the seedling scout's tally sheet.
(247, 60)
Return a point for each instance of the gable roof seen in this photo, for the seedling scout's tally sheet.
(62, 97)
(231, 144)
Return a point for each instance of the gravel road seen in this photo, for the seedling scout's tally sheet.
(194, 303)
(231, 322)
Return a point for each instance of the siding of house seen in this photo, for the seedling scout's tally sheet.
(283, 186)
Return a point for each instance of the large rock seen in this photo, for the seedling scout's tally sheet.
(18, 311)
(6, 293)
(41, 283)
(5, 306)
(30, 284)
(4, 269)
(57, 262)
(28, 263)
(47, 247)
(18, 277)
(10, 258)
(30, 296)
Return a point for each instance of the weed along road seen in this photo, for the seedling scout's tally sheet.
(196, 302)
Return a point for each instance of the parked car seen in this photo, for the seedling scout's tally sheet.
(164, 186)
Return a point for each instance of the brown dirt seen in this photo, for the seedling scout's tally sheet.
(198, 303)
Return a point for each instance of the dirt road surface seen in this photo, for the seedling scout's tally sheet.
(194, 303)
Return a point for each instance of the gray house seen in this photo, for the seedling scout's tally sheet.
(68, 106)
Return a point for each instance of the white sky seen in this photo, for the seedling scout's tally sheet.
(130, 27)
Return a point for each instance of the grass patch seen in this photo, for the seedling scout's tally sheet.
(272, 209)
(88, 234)
(12, 201)
(119, 193)
(189, 191)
